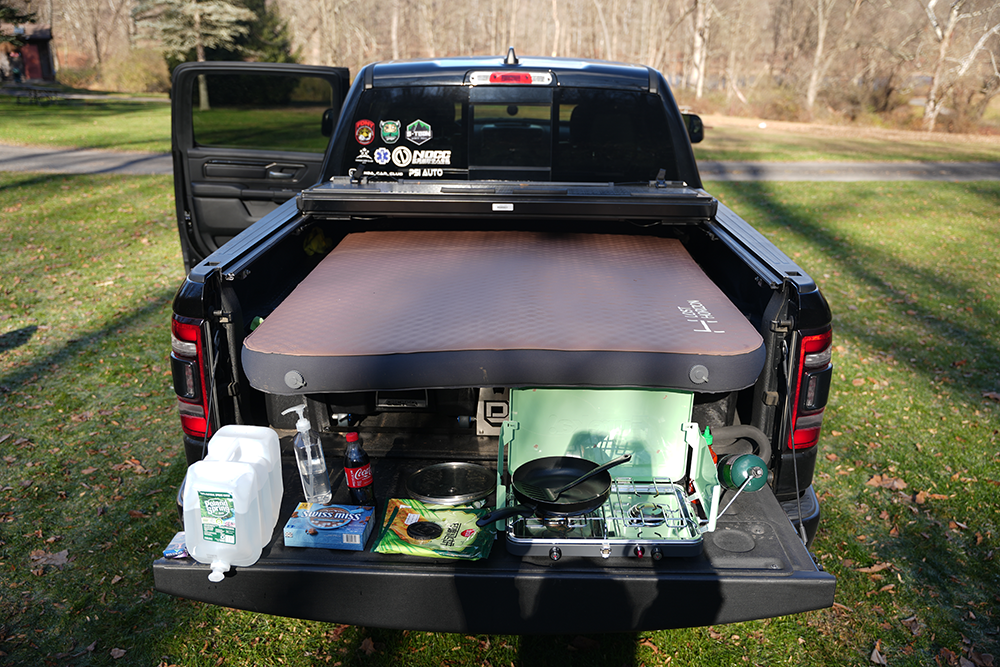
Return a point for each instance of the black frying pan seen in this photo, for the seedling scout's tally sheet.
(555, 472)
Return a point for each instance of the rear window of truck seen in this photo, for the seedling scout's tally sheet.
(511, 133)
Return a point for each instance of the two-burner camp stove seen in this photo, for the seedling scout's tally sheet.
(651, 520)
(661, 501)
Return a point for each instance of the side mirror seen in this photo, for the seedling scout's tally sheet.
(695, 128)
(329, 120)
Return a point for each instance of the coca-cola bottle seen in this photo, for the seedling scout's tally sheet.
(358, 472)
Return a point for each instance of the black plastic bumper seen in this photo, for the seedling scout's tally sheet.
(753, 566)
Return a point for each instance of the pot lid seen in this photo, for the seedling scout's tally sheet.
(453, 483)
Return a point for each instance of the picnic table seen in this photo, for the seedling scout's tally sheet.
(31, 93)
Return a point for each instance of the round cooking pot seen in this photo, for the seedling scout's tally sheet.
(555, 472)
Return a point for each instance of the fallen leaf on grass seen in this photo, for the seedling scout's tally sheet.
(117, 653)
(914, 625)
(877, 656)
(949, 656)
(992, 395)
(878, 567)
(923, 496)
(886, 482)
(42, 557)
(367, 645)
(650, 645)
(138, 514)
(88, 470)
(981, 659)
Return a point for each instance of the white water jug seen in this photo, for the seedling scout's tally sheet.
(222, 522)
(260, 447)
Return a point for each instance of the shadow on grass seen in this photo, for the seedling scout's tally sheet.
(111, 518)
(16, 338)
(943, 563)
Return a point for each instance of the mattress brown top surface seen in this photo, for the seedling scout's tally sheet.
(404, 292)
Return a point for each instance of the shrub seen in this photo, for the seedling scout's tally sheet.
(137, 71)
(84, 76)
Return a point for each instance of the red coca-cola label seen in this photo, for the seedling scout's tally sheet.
(358, 477)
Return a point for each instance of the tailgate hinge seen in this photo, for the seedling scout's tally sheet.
(783, 326)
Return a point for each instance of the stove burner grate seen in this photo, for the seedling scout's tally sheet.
(647, 514)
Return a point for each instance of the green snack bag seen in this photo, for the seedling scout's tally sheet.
(436, 531)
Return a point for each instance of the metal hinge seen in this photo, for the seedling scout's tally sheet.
(783, 326)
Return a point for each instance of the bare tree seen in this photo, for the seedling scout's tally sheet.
(822, 59)
(944, 78)
(101, 24)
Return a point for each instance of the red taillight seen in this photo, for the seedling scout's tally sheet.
(187, 363)
(812, 388)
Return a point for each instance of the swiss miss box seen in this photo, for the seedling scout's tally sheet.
(329, 526)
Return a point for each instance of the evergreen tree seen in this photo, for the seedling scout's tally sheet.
(14, 16)
(195, 25)
(269, 39)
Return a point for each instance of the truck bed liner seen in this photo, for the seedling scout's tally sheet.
(434, 309)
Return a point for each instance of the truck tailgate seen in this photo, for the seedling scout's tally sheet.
(753, 566)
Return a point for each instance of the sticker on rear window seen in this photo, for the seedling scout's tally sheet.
(431, 157)
(401, 156)
(419, 132)
(364, 132)
(389, 130)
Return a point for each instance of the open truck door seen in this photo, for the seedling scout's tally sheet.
(246, 137)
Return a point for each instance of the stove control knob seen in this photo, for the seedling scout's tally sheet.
(555, 553)
(657, 553)
(639, 551)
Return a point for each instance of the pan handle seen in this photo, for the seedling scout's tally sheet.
(502, 513)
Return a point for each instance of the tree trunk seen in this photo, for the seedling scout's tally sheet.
(555, 26)
(394, 29)
(604, 29)
(699, 51)
(822, 22)
(512, 27)
(933, 105)
(199, 49)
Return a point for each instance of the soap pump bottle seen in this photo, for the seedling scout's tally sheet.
(309, 457)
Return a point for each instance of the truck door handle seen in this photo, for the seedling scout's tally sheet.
(280, 175)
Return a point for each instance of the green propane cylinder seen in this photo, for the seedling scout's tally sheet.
(735, 469)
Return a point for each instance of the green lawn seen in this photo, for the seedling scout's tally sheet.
(909, 470)
(778, 142)
(114, 124)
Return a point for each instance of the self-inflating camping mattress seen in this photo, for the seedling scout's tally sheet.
(409, 309)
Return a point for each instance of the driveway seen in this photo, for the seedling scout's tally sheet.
(82, 161)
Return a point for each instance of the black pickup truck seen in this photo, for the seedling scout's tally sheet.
(483, 262)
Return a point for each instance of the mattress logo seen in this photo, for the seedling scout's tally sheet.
(696, 313)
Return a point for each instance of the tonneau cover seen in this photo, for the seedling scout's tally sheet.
(410, 309)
